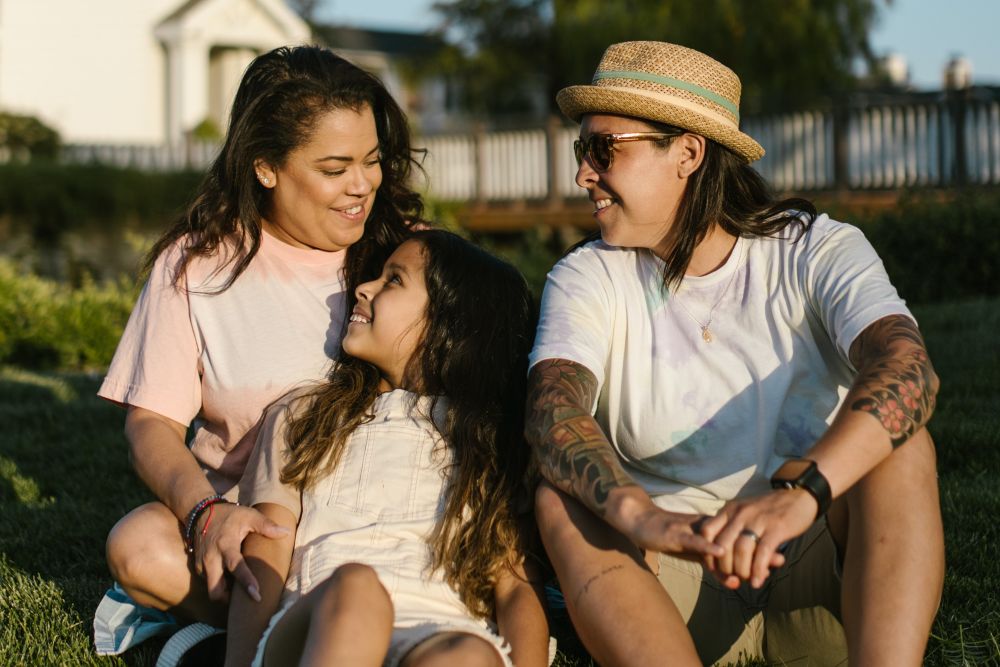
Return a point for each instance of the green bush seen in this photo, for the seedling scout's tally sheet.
(46, 200)
(939, 251)
(51, 325)
(26, 137)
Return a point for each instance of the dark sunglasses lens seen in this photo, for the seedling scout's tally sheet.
(598, 147)
(600, 151)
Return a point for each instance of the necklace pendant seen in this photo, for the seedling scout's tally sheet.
(706, 335)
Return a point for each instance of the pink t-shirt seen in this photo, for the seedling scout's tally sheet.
(216, 361)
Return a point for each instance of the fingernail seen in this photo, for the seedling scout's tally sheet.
(254, 593)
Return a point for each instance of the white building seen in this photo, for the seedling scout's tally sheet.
(133, 71)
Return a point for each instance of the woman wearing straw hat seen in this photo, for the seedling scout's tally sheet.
(727, 398)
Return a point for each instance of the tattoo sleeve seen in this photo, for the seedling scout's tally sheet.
(573, 452)
(896, 383)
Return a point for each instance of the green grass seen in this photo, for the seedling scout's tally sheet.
(65, 480)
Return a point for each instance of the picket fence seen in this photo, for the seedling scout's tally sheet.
(931, 140)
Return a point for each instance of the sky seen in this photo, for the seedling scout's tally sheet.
(927, 33)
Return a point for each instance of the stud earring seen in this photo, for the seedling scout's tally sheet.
(264, 180)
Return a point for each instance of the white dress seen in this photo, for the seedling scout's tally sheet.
(377, 508)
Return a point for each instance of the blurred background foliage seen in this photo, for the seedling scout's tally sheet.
(24, 138)
(73, 238)
(511, 55)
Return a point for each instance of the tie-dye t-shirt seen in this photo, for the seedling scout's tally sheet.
(698, 422)
(216, 361)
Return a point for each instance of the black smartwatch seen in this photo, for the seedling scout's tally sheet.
(804, 474)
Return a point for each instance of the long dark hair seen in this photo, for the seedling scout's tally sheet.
(474, 353)
(724, 191)
(282, 95)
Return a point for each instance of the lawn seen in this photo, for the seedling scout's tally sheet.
(65, 479)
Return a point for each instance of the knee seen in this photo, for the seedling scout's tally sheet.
(132, 548)
(355, 581)
(914, 463)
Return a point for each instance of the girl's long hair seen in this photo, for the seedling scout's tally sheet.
(724, 191)
(282, 95)
(474, 353)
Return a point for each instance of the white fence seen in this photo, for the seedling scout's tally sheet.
(149, 157)
(929, 143)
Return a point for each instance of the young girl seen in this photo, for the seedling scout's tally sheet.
(399, 479)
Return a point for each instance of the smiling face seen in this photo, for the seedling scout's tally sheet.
(636, 200)
(323, 193)
(389, 320)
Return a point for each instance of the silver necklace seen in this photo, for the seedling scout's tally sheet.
(706, 332)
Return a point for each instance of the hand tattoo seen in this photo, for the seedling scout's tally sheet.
(573, 452)
(896, 383)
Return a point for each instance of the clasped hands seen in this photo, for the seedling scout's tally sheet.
(740, 543)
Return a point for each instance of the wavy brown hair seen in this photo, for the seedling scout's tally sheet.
(282, 95)
(473, 354)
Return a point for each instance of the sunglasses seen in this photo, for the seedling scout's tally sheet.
(600, 148)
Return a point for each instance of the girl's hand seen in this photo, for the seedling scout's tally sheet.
(219, 550)
(634, 514)
(751, 531)
(674, 533)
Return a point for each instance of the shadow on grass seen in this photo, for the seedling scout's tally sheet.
(64, 480)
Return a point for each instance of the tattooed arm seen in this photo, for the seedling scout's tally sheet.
(896, 385)
(892, 397)
(572, 450)
(896, 382)
(575, 456)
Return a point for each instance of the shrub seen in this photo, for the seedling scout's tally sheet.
(48, 199)
(26, 137)
(940, 251)
(51, 325)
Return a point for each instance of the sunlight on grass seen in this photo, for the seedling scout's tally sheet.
(25, 489)
(59, 388)
(37, 627)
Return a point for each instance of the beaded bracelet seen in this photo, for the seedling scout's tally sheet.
(192, 519)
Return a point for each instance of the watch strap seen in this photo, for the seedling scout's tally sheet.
(810, 480)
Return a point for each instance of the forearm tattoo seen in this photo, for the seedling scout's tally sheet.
(896, 382)
(573, 453)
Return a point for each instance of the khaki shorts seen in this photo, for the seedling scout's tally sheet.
(794, 619)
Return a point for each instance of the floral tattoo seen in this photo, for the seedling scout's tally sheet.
(572, 450)
(896, 382)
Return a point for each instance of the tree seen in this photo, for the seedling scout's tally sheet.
(788, 53)
(501, 54)
(23, 138)
(306, 9)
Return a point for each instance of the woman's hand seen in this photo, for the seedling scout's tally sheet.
(674, 533)
(751, 530)
(219, 549)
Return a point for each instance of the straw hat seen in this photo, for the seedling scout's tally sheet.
(666, 83)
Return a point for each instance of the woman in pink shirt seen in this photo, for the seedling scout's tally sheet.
(246, 298)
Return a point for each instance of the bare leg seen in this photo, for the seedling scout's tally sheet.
(894, 560)
(453, 648)
(605, 581)
(146, 555)
(346, 620)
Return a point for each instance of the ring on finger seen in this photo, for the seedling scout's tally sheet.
(746, 532)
